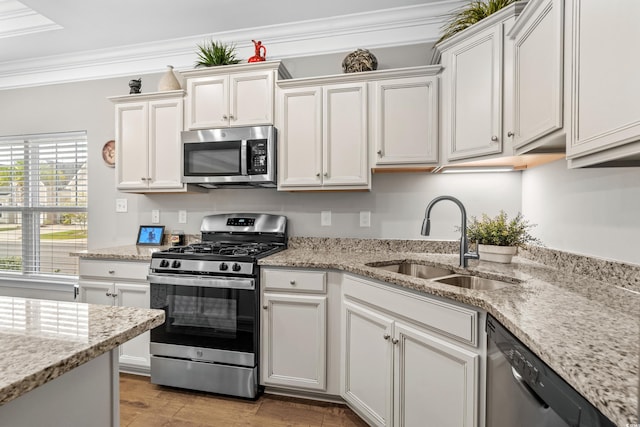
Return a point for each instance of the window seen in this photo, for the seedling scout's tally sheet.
(43, 203)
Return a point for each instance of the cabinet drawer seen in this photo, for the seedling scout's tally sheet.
(294, 280)
(450, 320)
(116, 269)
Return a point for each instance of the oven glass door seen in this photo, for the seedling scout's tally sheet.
(206, 317)
(203, 159)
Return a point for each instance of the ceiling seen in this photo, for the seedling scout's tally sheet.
(91, 29)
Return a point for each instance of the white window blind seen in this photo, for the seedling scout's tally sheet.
(43, 203)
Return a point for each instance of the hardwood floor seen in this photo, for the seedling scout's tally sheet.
(143, 404)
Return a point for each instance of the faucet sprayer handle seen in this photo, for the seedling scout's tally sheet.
(426, 227)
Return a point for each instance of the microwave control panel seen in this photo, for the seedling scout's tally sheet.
(257, 158)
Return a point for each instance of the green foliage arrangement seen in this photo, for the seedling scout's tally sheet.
(475, 11)
(214, 53)
(500, 230)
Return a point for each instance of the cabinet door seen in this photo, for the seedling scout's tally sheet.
(96, 292)
(604, 106)
(132, 139)
(135, 352)
(251, 101)
(300, 137)
(472, 96)
(434, 380)
(367, 358)
(165, 149)
(345, 135)
(207, 102)
(406, 120)
(538, 75)
(294, 348)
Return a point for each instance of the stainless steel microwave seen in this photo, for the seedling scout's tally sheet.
(231, 157)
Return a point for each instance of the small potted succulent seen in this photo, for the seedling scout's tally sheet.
(213, 53)
(499, 237)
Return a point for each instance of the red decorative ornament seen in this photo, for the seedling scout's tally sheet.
(258, 57)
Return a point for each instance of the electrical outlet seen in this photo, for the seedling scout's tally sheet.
(365, 219)
(155, 216)
(121, 205)
(182, 217)
(325, 218)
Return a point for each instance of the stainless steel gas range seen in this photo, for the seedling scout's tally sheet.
(210, 294)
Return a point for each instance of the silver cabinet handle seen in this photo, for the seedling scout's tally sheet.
(111, 271)
(386, 336)
(379, 152)
(231, 117)
(318, 174)
(494, 138)
(510, 134)
(114, 295)
(293, 282)
(394, 340)
(109, 294)
(224, 117)
(265, 306)
(326, 174)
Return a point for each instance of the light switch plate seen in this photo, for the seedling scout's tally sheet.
(121, 205)
(365, 219)
(182, 217)
(155, 216)
(325, 218)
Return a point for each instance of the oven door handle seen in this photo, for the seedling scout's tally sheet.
(202, 281)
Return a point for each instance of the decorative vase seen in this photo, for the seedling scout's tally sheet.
(168, 81)
(359, 60)
(501, 254)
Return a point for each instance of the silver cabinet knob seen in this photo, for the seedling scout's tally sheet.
(379, 152)
(265, 306)
(510, 134)
(386, 336)
(109, 294)
(494, 138)
(394, 340)
(114, 295)
(231, 117)
(292, 282)
(326, 174)
(111, 271)
(225, 117)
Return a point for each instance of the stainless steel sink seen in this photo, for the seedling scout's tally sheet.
(415, 270)
(472, 282)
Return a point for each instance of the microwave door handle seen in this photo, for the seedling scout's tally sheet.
(243, 157)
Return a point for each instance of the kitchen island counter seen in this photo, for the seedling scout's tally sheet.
(45, 342)
(587, 330)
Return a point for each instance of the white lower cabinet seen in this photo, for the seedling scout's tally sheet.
(300, 330)
(396, 370)
(120, 284)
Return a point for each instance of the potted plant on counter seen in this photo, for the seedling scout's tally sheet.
(499, 237)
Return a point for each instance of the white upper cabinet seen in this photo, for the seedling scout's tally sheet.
(538, 61)
(148, 149)
(603, 108)
(234, 95)
(404, 118)
(476, 89)
(322, 135)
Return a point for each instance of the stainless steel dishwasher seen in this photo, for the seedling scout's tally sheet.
(522, 391)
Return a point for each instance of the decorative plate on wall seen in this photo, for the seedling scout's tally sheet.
(109, 153)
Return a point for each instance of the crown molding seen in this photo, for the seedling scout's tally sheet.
(379, 29)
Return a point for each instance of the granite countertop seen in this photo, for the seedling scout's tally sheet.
(578, 314)
(41, 339)
(125, 253)
(588, 331)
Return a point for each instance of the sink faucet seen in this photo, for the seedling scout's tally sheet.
(464, 248)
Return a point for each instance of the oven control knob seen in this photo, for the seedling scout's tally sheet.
(223, 267)
(236, 267)
(175, 264)
(164, 263)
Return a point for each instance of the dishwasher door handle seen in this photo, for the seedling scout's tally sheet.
(526, 387)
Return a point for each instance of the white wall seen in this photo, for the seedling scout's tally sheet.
(592, 212)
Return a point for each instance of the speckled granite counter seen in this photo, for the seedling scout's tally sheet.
(41, 340)
(580, 315)
(588, 331)
(127, 253)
